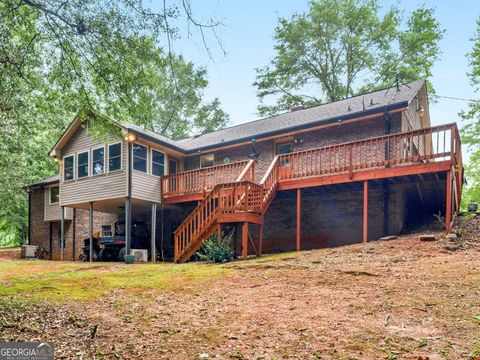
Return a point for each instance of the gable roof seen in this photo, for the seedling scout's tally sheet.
(376, 102)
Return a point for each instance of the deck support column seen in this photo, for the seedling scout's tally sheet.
(365, 211)
(299, 217)
(219, 233)
(128, 225)
(448, 209)
(260, 238)
(153, 246)
(90, 230)
(62, 232)
(245, 240)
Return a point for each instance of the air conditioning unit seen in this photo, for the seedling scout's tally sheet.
(28, 251)
(140, 254)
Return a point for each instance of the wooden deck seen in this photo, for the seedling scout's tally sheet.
(228, 193)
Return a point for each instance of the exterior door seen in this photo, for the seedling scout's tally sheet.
(286, 166)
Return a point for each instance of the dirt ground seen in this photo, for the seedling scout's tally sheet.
(397, 299)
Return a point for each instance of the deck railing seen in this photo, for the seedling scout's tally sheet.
(200, 181)
(424, 145)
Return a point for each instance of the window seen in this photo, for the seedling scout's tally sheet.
(139, 157)
(158, 163)
(115, 157)
(68, 167)
(82, 164)
(54, 195)
(284, 148)
(206, 160)
(172, 166)
(98, 161)
(107, 230)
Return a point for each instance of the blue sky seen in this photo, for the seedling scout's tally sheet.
(247, 37)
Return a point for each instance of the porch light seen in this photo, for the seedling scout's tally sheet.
(421, 111)
(130, 137)
(55, 159)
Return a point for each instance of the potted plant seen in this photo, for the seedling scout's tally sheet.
(129, 259)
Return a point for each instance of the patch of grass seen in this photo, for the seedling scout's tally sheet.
(422, 342)
(80, 281)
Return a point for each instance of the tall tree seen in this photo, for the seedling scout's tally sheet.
(339, 48)
(471, 129)
(57, 57)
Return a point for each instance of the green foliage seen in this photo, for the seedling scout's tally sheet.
(217, 252)
(340, 48)
(86, 57)
(471, 130)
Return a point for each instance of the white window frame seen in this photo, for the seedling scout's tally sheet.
(88, 164)
(50, 194)
(164, 162)
(206, 167)
(111, 230)
(74, 168)
(104, 159)
(108, 158)
(147, 159)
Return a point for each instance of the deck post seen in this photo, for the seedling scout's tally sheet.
(245, 240)
(90, 230)
(448, 209)
(153, 246)
(62, 232)
(260, 238)
(219, 233)
(365, 211)
(299, 217)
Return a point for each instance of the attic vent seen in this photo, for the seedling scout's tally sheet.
(298, 107)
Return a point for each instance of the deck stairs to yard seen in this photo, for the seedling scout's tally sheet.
(229, 193)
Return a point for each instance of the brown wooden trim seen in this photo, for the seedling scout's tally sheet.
(365, 175)
(240, 217)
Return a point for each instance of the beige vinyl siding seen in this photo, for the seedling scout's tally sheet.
(92, 188)
(146, 186)
(53, 212)
(412, 121)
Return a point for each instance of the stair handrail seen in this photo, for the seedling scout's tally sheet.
(269, 182)
(207, 209)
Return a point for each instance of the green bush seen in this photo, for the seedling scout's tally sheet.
(217, 252)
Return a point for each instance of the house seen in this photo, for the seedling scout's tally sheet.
(338, 173)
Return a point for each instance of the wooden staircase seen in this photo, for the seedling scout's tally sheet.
(239, 201)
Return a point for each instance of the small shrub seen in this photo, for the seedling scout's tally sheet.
(217, 252)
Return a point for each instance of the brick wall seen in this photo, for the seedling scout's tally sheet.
(40, 229)
(323, 137)
(331, 216)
